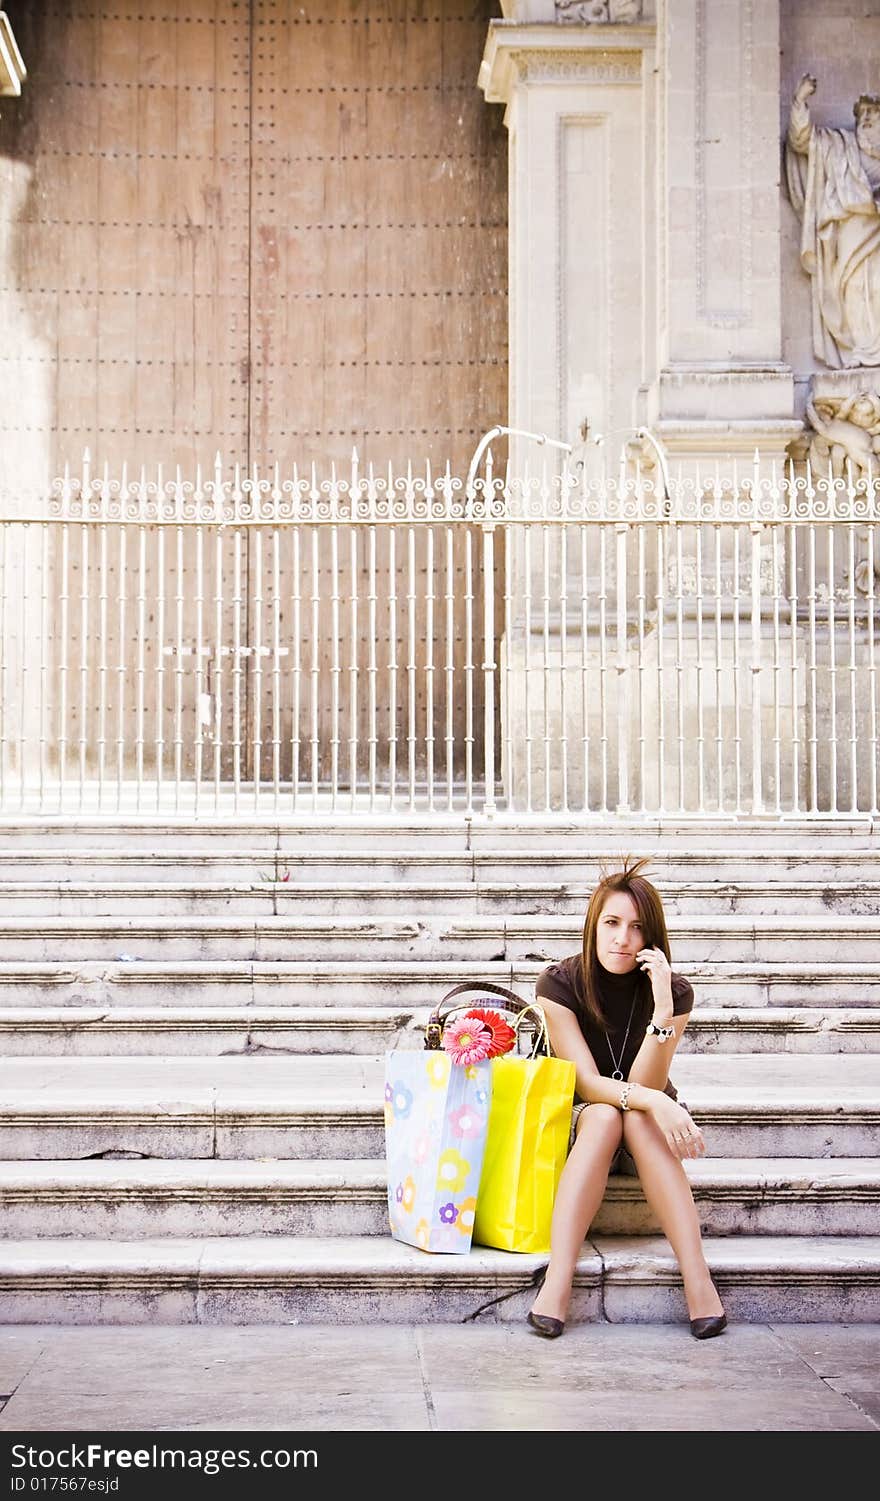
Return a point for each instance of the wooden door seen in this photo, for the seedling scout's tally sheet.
(273, 231)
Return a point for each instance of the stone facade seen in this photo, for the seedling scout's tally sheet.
(653, 280)
(647, 149)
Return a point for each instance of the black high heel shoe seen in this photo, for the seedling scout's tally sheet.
(708, 1328)
(542, 1323)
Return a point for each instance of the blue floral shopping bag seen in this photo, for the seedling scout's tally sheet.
(436, 1118)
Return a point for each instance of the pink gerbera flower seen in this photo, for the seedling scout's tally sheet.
(502, 1034)
(466, 1041)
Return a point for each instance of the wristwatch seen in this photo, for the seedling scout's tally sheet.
(662, 1034)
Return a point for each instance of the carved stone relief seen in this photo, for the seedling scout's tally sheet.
(841, 441)
(624, 67)
(844, 435)
(595, 12)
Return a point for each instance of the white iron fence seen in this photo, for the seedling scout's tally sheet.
(383, 644)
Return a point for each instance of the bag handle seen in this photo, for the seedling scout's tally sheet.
(535, 1016)
(542, 1036)
(442, 1011)
(434, 1027)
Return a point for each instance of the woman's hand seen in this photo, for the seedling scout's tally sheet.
(654, 963)
(683, 1137)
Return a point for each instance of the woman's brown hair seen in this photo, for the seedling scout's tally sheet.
(649, 906)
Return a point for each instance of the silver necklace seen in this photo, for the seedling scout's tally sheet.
(618, 1074)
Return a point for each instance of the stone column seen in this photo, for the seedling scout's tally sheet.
(722, 387)
(579, 110)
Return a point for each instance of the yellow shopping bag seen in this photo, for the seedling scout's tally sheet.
(526, 1148)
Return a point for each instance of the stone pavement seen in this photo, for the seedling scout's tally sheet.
(465, 1378)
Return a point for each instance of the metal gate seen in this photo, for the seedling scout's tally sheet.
(406, 643)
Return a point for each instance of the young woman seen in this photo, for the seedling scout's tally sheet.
(618, 1011)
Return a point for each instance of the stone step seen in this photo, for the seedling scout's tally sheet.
(85, 1031)
(138, 1199)
(729, 863)
(239, 900)
(429, 937)
(315, 832)
(128, 980)
(374, 1279)
(94, 1031)
(330, 1106)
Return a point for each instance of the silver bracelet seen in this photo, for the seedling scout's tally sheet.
(624, 1096)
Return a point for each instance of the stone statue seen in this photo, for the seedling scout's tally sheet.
(834, 184)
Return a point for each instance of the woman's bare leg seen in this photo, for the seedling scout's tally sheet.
(668, 1192)
(580, 1192)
